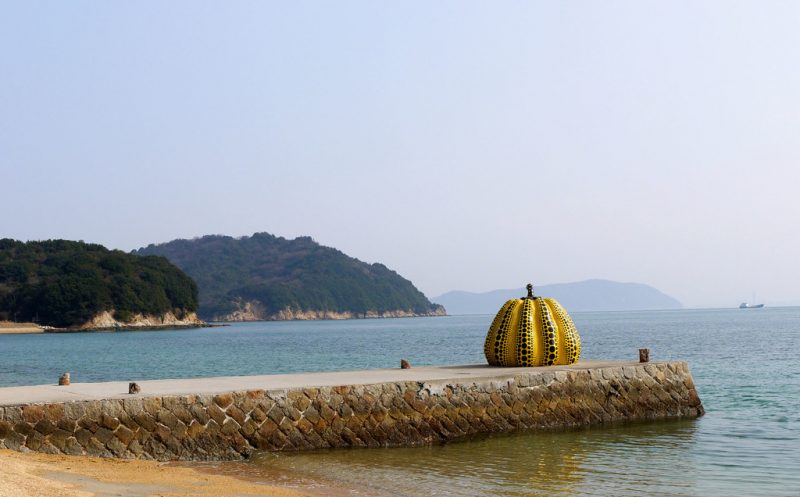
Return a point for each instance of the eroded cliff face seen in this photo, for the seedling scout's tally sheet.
(247, 311)
(106, 319)
(255, 311)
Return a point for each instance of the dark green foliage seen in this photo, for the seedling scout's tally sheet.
(66, 283)
(280, 273)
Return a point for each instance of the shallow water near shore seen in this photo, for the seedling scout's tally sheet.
(743, 362)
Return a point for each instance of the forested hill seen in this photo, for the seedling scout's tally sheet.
(269, 277)
(65, 283)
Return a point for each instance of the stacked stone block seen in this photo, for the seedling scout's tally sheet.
(232, 425)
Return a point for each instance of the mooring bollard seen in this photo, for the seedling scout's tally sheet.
(405, 364)
(134, 388)
(644, 355)
(64, 379)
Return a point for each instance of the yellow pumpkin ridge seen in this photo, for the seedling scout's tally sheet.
(525, 336)
(561, 346)
(538, 356)
(510, 357)
(501, 339)
(571, 339)
(549, 336)
(489, 345)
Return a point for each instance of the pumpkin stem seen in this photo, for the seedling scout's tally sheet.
(530, 291)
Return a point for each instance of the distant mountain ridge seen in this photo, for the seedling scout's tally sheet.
(265, 277)
(589, 295)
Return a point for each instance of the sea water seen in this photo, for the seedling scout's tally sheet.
(744, 363)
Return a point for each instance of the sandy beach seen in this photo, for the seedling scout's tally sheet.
(10, 328)
(45, 475)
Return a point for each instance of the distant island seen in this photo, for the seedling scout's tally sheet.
(68, 284)
(265, 277)
(589, 295)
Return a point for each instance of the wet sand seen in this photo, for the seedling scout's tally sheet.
(46, 475)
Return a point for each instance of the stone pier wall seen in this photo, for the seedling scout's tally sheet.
(232, 425)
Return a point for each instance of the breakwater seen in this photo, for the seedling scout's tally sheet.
(228, 418)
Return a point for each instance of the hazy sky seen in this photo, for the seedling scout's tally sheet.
(468, 146)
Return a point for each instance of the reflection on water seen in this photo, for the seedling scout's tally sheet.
(623, 460)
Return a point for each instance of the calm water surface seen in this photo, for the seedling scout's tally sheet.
(743, 361)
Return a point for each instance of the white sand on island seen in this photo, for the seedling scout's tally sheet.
(9, 328)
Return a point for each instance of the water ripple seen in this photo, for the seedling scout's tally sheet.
(747, 444)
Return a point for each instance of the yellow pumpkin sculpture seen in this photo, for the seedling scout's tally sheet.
(532, 331)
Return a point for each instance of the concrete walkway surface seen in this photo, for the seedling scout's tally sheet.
(150, 388)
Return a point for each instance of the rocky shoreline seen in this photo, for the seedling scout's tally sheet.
(249, 312)
(255, 311)
(136, 328)
(105, 321)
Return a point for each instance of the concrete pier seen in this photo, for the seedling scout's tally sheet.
(229, 417)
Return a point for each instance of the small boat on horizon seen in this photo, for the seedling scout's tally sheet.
(745, 305)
